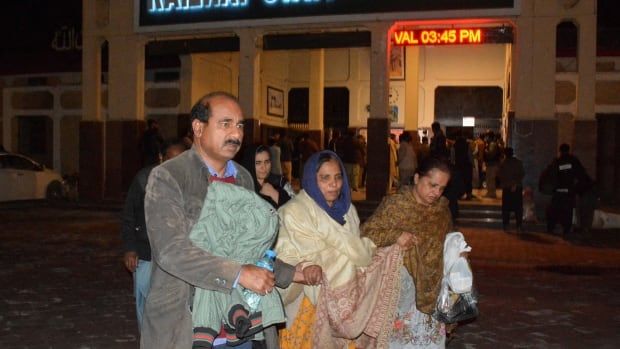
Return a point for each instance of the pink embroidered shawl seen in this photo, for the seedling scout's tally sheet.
(362, 310)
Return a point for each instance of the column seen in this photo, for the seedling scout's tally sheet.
(585, 129)
(126, 122)
(250, 47)
(56, 130)
(535, 128)
(316, 93)
(412, 89)
(378, 122)
(91, 163)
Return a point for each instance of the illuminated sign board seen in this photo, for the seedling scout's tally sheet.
(182, 12)
(452, 36)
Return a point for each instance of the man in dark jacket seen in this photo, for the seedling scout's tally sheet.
(439, 145)
(137, 257)
(511, 175)
(570, 172)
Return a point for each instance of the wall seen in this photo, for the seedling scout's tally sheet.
(275, 67)
(344, 67)
(469, 65)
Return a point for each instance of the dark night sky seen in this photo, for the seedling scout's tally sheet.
(30, 24)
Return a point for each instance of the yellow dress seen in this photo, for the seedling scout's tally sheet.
(299, 336)
(308, 234)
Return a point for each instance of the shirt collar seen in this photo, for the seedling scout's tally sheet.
(230, 171)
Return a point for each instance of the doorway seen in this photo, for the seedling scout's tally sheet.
(35, 138)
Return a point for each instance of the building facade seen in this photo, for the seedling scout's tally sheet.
(312, 65)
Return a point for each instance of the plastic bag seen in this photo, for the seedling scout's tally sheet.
(454, 307)
(456, 268)
(457, 299)
(460, 277)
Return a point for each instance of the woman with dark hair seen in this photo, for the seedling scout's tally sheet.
(420, 209)
(355, 304)
(271, 187)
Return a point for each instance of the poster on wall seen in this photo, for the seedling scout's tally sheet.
(397, 63)
(275, 102)
(396, 100)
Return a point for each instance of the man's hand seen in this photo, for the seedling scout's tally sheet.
(407, 240)
(131, 260)
(310, 275)
(257, 279)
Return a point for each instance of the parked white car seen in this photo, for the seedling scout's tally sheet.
(22, 178)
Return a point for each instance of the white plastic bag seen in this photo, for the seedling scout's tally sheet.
(457, 299)
(456, 268)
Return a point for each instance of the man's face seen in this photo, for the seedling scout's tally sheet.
(219, 139)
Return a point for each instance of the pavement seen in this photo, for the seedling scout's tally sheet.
(64, 285)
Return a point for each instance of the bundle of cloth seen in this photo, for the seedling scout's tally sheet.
(223, 231)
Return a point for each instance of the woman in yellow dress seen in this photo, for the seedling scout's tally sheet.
(357, 301)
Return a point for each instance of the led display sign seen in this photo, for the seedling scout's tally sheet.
(452, 36)
(182, 12)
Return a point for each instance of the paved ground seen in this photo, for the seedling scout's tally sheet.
(64, 285)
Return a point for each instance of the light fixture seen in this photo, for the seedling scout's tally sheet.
(469, 121)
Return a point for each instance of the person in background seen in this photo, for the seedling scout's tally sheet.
(275, 154)
(393, 153)
(479, 146)
(422, 210)
(439, 143)
(333, 141)
(271, 187)
(511, 175)
(350, 153)
(152, 143)
(453, 192)
(424, 151)
(570, 175)
(175, 195)
(492, 158)
(137, 256)
(407, 161)
(307, 147)
(361, 140)
(463, 161)
(286, 156)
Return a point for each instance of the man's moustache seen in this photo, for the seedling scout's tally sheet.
(233, 142)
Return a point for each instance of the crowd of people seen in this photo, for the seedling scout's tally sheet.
(196, 221)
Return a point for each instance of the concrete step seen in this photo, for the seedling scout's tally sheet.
(479, 213)
(470, 215)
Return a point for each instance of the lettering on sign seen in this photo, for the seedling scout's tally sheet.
(438, 36)
(66, 39)
(156, 6)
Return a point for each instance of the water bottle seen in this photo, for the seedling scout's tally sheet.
(252, 298)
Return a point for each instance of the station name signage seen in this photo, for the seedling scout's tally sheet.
(159, 6)
(452, 36)
(154, 13)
